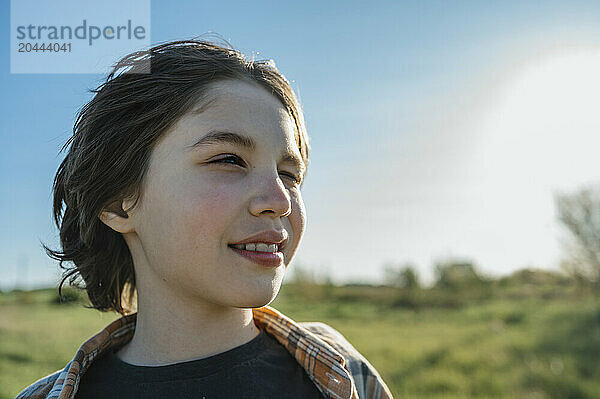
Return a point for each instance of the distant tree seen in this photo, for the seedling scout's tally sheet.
(579, 213)
(409, 279)
(536, 276)
(459, 282)
(452, 274)
(403, 276)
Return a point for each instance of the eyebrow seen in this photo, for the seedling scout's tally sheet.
(215, 137)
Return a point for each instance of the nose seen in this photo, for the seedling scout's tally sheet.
(271, 197)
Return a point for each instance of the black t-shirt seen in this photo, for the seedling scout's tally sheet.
(260, 368)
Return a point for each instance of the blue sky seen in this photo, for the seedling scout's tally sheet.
(438, 129)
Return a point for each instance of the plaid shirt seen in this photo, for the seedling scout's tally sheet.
(332, 363)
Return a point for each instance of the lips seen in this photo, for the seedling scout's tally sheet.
(267, 259)
(267, 237)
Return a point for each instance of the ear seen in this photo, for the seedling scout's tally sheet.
(116, 218)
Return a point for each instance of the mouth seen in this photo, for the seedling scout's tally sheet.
(259, 247)
(267, 259)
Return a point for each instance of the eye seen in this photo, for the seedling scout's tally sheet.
(295, 178)
(236, 160)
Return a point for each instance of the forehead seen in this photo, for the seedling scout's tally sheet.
(246, 107)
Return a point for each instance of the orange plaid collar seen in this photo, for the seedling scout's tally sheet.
(324, 365)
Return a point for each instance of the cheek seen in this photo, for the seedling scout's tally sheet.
(298, 216)
(188, 219)
(208, 212)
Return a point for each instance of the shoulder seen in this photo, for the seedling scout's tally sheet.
(42, 388)
(369, 383)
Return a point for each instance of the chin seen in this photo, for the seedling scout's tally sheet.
(257, 299)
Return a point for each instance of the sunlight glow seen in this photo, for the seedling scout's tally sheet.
(543, 136)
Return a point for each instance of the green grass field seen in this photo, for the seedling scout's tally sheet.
(498, 348)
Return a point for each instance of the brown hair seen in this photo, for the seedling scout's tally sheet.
(146, 93)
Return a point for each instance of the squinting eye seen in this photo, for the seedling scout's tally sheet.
(238, 161)
(294, 178)
(235, 158)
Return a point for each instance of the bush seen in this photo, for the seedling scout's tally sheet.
(69, 296)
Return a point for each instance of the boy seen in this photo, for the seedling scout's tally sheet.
(182, 188)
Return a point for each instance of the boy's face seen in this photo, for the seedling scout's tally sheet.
(198, 199)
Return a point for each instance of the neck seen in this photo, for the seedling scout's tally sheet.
(172, 331)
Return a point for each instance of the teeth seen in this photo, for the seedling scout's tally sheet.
(260, 247)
